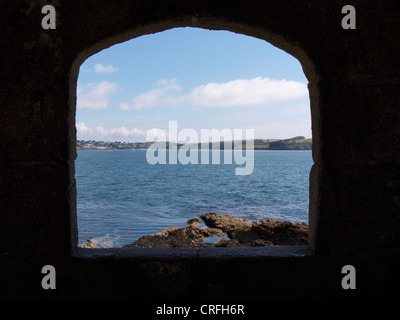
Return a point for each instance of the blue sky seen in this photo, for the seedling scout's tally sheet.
(199, 78)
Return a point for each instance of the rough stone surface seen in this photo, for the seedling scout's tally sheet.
(190, 236)
(265, 232)
(354, 219)
(241, 232)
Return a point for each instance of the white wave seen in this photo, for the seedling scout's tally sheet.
(106, 241)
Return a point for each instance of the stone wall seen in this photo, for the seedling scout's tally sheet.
(353, 79)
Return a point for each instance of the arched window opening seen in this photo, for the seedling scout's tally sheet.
(192, 88)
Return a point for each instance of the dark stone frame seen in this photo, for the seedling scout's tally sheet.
(354, 183)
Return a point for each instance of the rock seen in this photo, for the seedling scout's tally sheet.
(88, 245)
(165, 232)
(241, 233)
(227, 243)
(190, 236)
(261, 243)
(194, 221)
(151, 241)
(282, 232)
(272, 231)
(224, 222)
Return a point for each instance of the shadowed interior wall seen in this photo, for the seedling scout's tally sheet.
(354, 184)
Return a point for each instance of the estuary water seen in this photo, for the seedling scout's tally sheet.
(121, 197)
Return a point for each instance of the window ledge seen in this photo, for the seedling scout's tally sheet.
(190, 253)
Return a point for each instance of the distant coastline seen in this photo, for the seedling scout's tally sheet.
(295, 143)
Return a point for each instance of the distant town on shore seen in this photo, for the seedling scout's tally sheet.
(295, 143)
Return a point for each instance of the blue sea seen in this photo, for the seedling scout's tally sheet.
(121, 197)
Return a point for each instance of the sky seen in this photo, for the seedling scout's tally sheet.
(197, 78)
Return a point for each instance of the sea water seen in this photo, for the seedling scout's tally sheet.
(121, 197)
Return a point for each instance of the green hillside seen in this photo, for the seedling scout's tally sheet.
(296, 143)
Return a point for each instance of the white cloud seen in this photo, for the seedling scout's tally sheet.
(82, 128)
(156, 134)
(99, 68)
(121, 132)
(240, 92)
(160, 96)
(97, 97)
(243, 92)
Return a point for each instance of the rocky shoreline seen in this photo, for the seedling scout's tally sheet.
(230, 232)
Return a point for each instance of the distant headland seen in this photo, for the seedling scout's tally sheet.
(295, 143)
